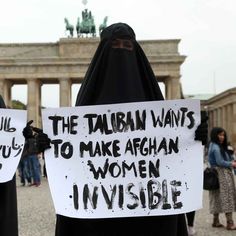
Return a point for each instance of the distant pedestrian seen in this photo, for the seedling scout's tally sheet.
(32, 148)
(44, 166)
(24, 168)
(190, 223)
(222, 200)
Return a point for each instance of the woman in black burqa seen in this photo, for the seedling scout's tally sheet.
(119, 73)
(8, 203)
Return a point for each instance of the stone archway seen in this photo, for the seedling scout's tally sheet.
(65, 63)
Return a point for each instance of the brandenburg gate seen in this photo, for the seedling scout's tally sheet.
(65, 63)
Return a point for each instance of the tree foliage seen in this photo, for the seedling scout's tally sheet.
(16, 104)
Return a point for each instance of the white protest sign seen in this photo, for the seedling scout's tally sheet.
(121, 160)
(12, 141)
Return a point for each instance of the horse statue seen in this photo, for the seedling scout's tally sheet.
(78, 27)
(69, 27)
(87, 26)
(103, 25)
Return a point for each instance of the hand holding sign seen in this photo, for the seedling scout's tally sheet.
(122, 160)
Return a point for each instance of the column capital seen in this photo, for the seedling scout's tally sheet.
(65, 80)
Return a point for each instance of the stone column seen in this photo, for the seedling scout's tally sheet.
(211, 119)
(2, 81)
(5, 91)
(228, 117)
(215, 117)
(224, 117)
(65, 92)
(34, 101)
(173, 90)
(219, 116)
(167, 88)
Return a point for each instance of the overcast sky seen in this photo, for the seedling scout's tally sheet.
(207, 29)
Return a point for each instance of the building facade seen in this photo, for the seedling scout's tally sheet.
(221, 110)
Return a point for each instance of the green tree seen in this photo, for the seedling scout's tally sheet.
(16, 104)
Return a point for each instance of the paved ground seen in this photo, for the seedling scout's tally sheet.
(37, 217)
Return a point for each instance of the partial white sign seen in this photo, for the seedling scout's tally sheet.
(12, 141)
(121, 160)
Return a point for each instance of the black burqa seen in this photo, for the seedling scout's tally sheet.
(8, 203)
(118, 73)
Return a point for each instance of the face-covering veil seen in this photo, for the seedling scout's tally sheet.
(117, 74)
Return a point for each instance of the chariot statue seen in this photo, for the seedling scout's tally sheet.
(87, 25)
